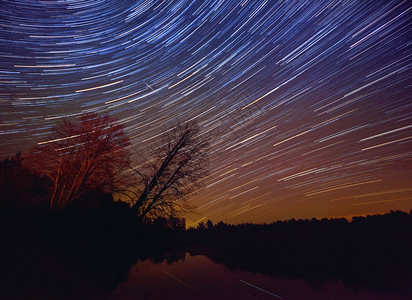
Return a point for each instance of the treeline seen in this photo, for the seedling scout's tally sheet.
(90, 159)
(93, 222)
(25, 194)
(88, 246)
(380, 220)
(85, 176)
(372, 251)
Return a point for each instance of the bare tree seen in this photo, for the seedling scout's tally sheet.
(176, 165)
(80, 157)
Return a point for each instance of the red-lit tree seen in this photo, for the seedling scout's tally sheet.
(82, 156)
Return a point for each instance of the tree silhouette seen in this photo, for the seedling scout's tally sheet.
(173, 172)
(20, 189)
(80, 157)
(209, 225)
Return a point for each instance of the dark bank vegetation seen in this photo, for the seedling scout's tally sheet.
(94, 155)
(86, 247)
(76, 204)
(372, 251)
(75, 216)
(83, 174)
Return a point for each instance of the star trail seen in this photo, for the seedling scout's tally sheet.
(309, 102)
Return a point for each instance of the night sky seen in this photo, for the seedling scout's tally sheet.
(309, 102)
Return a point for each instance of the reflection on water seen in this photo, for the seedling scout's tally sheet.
(368, 258)
(173, 275)
(198, 277)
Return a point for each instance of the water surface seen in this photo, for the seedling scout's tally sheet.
(198, 277)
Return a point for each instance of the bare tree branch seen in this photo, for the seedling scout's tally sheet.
(180, 161)
(80, 157)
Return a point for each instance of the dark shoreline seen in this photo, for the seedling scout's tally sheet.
(78, 255)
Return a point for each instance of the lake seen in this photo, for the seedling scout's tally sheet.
(198, 277)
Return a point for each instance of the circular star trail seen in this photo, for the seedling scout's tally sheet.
(309, 102)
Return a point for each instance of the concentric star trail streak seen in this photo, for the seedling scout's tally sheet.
(309, 101)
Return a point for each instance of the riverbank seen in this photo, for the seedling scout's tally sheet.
(76, 254)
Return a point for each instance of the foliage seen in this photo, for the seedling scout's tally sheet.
(20, 188)
(372, 251)
(80, 157)
(89, 160)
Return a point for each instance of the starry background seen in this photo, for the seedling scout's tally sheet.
(309, 102)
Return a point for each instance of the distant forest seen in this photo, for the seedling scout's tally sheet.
(372, 251)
